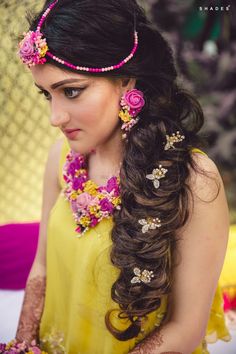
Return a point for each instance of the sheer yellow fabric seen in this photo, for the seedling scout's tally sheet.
(79, 280)
(227, 279)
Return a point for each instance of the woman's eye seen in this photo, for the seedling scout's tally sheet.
(71, 92)
(46, 94)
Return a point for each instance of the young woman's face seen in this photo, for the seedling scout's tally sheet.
(84, 107)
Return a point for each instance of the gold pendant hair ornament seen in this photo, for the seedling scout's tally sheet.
(149, 224)
(174, 138)
(157, 174)
(144, 276)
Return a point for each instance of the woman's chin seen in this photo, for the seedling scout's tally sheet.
(79, 148)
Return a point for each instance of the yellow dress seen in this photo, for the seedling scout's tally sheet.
(227, 279)
(79, 280)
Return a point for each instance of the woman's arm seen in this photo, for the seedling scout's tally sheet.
(202, 250)
(32, 308)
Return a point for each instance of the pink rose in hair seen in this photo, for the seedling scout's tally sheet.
(27, 48)
(33, 48)
(134, 99)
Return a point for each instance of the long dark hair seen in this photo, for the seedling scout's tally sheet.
(99, 33)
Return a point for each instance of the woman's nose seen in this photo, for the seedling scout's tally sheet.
(58, 117)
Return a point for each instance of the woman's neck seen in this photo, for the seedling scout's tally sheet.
(105, 161)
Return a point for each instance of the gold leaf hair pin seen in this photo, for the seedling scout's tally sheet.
(149, 224)
(174, 138)
(145, 276)
(157, 174)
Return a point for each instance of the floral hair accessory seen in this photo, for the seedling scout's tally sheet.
(89, 202)
(175, 138)
(145, 276)
(132, 103)
(14, 347)
(149, 224)
(33, 48)
(157, 174)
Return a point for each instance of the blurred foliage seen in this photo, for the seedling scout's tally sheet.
(204, 43)
(24, 127)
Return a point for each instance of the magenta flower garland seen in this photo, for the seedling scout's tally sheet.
(14, 347)
(89, 203)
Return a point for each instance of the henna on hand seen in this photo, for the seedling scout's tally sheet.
(32, 308)
(149, 344)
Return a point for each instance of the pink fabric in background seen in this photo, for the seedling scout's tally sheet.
(18, 243)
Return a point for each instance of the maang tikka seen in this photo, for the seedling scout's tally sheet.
(131, 103)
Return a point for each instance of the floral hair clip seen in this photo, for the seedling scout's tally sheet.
(174, 138)
(145, 276)
(157, 174)
(132, 103)
(149, 224)
(33, 49)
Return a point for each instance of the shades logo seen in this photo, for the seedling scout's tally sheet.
(214, 8)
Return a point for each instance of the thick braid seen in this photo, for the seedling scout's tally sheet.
(150, 250)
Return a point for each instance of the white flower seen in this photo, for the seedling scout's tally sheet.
(175, 138)
(144, 276)
(149, 224)
(157, 174)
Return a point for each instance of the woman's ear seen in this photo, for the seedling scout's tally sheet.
(128, 83)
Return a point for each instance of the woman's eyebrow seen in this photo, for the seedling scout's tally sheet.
(60, 83)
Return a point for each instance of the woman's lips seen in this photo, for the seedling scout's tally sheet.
(71, 133)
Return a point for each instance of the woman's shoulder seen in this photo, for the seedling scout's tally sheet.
(205, 179)
(55, 157)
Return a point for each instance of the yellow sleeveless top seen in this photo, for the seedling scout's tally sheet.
(79, 280)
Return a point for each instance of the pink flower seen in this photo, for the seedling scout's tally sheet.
(27, 47)
(83, 200)
(113, 185)
(106, 205)
(35, 350)
(33, 48)
(134, 99)
(94, 221)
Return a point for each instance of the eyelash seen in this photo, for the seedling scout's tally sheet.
(66, 90)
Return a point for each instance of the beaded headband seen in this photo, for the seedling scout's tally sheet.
(33, 49)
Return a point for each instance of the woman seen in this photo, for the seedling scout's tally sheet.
(134, 216)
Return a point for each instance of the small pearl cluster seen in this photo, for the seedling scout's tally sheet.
(83, 68)
(174, 138)
(144, 276)
(157, 174)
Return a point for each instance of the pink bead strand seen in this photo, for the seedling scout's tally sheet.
(38, 56)
(97, 70)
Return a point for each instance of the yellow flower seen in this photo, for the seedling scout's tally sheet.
(9, 344)
(43, 51)
(73, 195)
(116, 201)
(79, 172)
(94, 209)
(91, 188)
(125, 116)
(84, 221)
